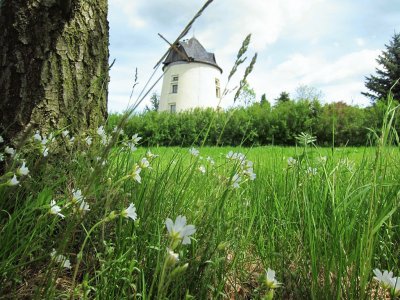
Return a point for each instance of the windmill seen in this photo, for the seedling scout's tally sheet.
(191, 74)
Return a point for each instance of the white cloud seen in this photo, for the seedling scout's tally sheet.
(340, 79)
(229, 21)
(129, 10)
(312, 42)
(360, 41)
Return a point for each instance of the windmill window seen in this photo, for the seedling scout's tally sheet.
(217, 88)
(174, 89)
(175, 78)
(172, 108)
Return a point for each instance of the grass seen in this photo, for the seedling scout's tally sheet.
(323, 219)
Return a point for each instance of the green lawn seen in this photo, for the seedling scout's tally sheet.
(323, 219)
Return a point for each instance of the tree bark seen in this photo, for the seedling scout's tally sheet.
(53, 65)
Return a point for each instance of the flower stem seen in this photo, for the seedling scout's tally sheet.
(80, 254)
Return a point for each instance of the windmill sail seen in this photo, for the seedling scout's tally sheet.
(184, 32)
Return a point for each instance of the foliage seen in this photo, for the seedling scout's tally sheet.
(243, 82)
(154, 102)
(387, 75)
(263, 99)
(260, 124)
(306, 92)
(283, 97)
(107, 219)
(247, 95)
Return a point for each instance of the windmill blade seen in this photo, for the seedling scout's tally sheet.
(184, 32)
(176, 49)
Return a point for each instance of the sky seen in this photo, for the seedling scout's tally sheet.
(329, 45)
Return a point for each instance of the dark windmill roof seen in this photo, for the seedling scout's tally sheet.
(194, 51)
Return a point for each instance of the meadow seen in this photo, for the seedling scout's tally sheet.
(101, 213)
(113, 220)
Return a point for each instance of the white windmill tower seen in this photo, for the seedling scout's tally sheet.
(191, 78)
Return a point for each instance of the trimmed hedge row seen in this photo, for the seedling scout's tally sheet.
(258, 124)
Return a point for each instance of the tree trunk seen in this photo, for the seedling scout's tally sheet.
(53, 65)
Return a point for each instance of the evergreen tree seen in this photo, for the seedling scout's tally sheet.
(283, 97)
(386, 76)
(263, 99)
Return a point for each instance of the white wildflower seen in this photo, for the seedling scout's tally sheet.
(84, 206)
(241, 157)
(311, 171)
(45, 151)
(23, 170)
(10, 151)
(179, 230)
(230, 155)
(291, 162)
(193, 151)
(144, 163)
(55, 209)
(270, 280)
(45, 140)
(13, 181)
(104, 137)
(1, 156)
(70, 140)
(88, 140)
(136, 174)
(202, 169)
(104, 140)
(100, 131)
(249, 172)
(130, 212)
(51, 137)
(135, 138)
(210, 160)
(388, 281)
(173, 257)
(1, 139)
(249, 164)
(65, 133)
(131, 146)
(77, 196)
(61, 259)
(37, 137)
(67, 264)
(150, 155)
(102, 162)
(236, 156)
(235, 181)
(119, 130)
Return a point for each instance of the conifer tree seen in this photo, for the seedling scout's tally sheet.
(283, 97)
(387, 74)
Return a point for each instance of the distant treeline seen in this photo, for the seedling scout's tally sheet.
(260, 124)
